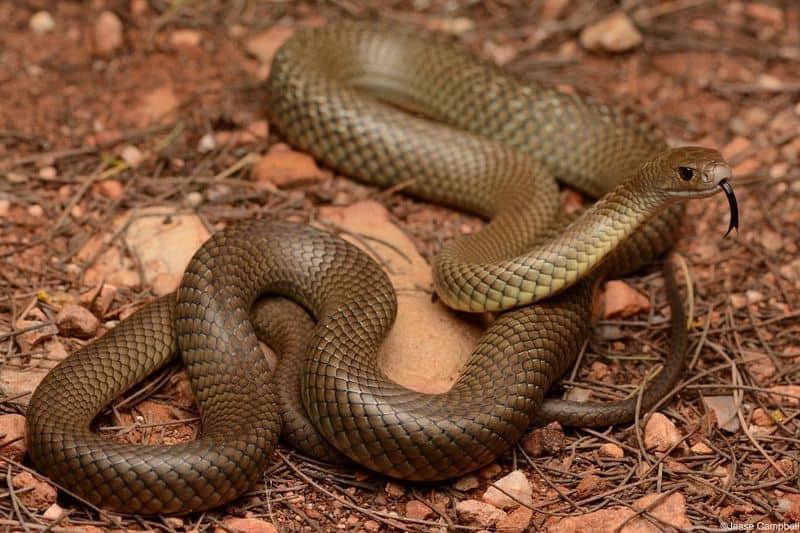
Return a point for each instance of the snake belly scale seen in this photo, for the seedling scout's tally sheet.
(485, 143)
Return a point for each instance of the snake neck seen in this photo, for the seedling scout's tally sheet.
(557, 261)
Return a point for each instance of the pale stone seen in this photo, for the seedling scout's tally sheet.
(39, 331)
(131, 155)
(701, 448)
(514, 485)
(107, 33)
(394, 489)
(155, 106)
(660, 433)
(672, 511)
(163, 241)
(265, 44)
(246, 525)
(465, 483)
(483, 514)
(76, 321)
(185, 37)
(724, 409)
(111, 189)
(787, 395)
(12, 436)
(48, 172)
(615, 33)
(41, 22)
(53, 513)
(609, 449)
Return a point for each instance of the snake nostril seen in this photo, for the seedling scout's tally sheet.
(721, 171)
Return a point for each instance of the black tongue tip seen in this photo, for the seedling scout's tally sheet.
(734, 224)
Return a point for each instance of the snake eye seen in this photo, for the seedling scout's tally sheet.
(686, 173)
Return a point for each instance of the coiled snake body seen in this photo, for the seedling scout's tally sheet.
(488, 144)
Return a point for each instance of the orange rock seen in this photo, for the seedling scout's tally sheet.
(40, 494)
(489, 471)
(156, 106)
(107, 36)
(764, 13)
(394, 489)
(553, 9)
(483, 514)
(587, 485)
(787, 395)
(671, 510)
(760, 417)
(622, 301)
(660, 433)
(247, 525)
(789, 505)
(545, 440)
(257, 131)
(185, 37)
(417, 510)
(12, 436)
(465, 483)
(286, 168)
(265, 44)
(166, 282)
(371, 526)
(111, 189)
(615, 33)
(76, 321)
(499, 53)
(40, 331)
(99, 298)
(701, 448)
(517, 521)
(609, 449)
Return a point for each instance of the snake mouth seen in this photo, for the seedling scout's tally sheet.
(734, 205)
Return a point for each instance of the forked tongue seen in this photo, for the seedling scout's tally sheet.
(734, 224)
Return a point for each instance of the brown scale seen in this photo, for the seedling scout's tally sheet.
(493, 150)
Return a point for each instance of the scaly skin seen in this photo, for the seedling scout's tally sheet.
(312, 99)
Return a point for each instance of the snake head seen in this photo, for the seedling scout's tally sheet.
(695, 172)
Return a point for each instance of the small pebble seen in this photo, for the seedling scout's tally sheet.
(131, 155)
(41, 22)
(609, 449)
(48, 173)
(207, 143)
(107, 33)
(76, 321)
(194, 198)
(465, 483)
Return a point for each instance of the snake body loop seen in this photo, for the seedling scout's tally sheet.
(485, 143)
